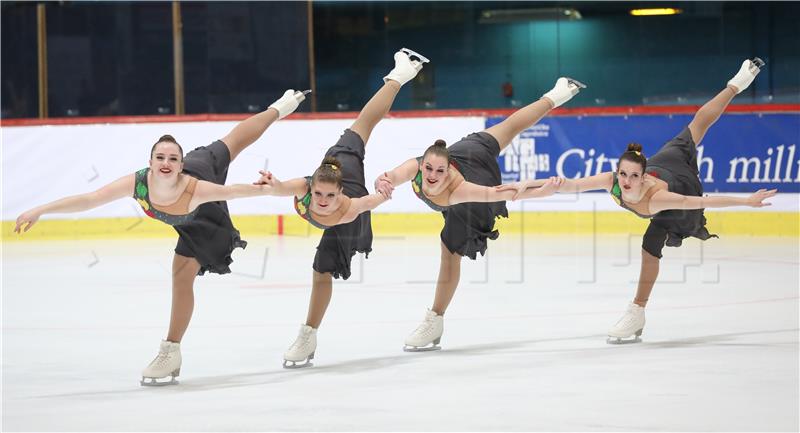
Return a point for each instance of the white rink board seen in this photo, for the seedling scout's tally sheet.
(44, 163)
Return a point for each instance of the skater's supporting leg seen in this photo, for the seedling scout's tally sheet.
(521, 120)
(321, 290)
(709, 113)
(647, 278)
(449, 275)
(375, 109)
(184, 271)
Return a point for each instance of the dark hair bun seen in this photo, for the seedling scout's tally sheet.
(168, 138)
(332, 161)
(440, 143)
(634, 147)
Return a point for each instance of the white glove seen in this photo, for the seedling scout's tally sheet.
(289, 102)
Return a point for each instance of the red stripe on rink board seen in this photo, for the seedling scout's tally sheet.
(476, 112)
(280, 225)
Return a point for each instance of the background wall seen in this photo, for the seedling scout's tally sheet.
(116, 58)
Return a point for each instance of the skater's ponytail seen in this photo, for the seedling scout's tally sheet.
(166, 139)
(634, 154)
(330, 171)
(438, 148)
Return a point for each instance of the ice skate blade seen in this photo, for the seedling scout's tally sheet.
(421, 349)
(411, 53)
(758, 62)
(576, 83)
(294, 364)
(620, 340)
(625, 340)
(153, 381)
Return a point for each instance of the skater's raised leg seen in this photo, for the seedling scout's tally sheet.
(379, 105)
(531, 114)
(249, 130)
(710, 112)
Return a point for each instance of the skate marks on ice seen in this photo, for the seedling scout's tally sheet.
(449, 355)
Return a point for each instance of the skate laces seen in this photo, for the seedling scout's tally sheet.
(302, 341)
(629, 317)
(426, 327)
(161, 359)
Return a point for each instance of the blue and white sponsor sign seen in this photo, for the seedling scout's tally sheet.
(740, 152)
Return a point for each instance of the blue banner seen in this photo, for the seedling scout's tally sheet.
(740, 152)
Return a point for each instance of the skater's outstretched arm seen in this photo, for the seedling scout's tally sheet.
(665, 200)
(524, 189)
(386, 182)
(120, 188)
(362, 204)
(470, 192)
(208, 191)
(293, 187)
(250, 129)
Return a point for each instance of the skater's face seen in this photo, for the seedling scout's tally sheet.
(434, 171)
(166, 161)
(325, 197)
(630, 177)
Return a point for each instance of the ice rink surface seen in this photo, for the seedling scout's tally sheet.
(523, 349)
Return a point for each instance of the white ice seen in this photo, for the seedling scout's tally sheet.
(524, 345)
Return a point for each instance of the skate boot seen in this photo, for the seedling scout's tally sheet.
(429, 332)
(564, 90)
(406, 65)
(747, 73)
(302, 349)
(630, 325)
(289, 102)
(167, 363)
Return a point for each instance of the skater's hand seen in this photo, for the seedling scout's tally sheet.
(384, 186)
(267, 178)
(550, 187)
(519, 187)
(758, 197)
(27, 219)
(289, 102)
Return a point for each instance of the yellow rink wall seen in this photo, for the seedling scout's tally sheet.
(784, 224)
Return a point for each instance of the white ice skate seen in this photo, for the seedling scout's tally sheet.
(167, 363)
(406, 65)
(289, 102)
(427, 335)
(302, 349)
(564, 90)
(747, 73)
(630, 325)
